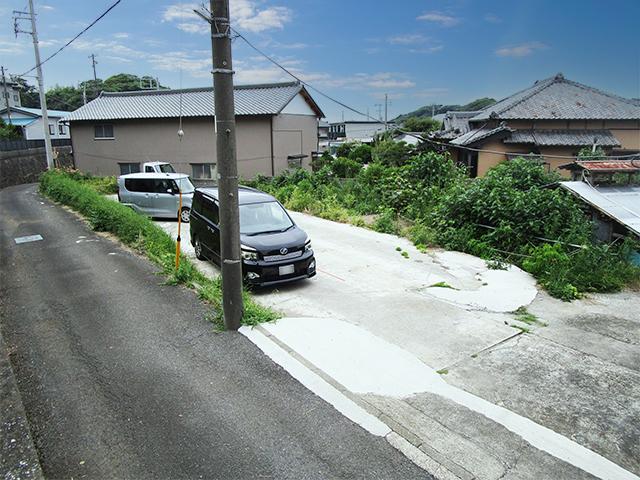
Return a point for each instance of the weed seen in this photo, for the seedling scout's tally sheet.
(524, 316)
(398, 249)
(442, 371)
(141, 234)
(442, 285)
(405, 254)
(521, 328)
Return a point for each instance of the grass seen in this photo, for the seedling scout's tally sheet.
(142, 235)
(442, 285)
(521, 328)
(442, 371)
(524, 316)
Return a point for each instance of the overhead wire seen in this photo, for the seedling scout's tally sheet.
(412, 134)
(73, 39)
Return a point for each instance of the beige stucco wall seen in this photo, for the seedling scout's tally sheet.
(157, 140)
(293, 135)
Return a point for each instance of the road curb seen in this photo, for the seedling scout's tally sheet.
(400, 437)
(18, 454)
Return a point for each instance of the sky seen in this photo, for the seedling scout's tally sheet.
(418, 52)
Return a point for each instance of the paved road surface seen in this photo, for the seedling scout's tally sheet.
(123, 377)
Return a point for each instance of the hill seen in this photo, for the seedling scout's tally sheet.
(426, 111)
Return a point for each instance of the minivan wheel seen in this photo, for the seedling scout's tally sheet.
(185, 214)
(197, 247)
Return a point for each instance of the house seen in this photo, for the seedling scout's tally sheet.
(30, 120)
(553, 120)
(357, 131)
(323, 135)
(276, 127)
(10, 94)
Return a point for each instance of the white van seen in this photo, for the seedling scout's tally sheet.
(158, 167)
(157, 194)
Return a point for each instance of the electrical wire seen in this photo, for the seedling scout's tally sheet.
(73, 39)
(412, 134)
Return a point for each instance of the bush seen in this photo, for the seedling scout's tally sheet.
(391, 153)
(361, 153)
(386, 222)
(345, 167)
(140, 233)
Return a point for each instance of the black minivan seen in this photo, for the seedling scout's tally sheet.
(274, 249)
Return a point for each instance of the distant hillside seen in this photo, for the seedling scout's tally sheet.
(426, 111)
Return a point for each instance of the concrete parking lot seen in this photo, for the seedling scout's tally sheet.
(574, 372)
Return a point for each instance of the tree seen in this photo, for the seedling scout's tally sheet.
(391, 153)
(361, 153)
(421, 124)
(9, 132)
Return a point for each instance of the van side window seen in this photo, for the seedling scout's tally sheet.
(148, 169)
(162, 185)
(210, 210)
(138, 185)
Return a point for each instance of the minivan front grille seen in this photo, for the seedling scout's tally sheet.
(277, 258)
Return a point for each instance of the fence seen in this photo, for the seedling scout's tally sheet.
(22, 144)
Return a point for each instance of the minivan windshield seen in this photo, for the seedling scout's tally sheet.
(185, 185)
(166, 168)
(268, 217)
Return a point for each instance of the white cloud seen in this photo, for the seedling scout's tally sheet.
(407, 39)
(247, 15)
(433, 49)
(121, 35)
(46, 7)
(11, 47)
(199, 67)
(48, 43)
(492, 18)
(522, 50)
(114, 58)
(443, 19)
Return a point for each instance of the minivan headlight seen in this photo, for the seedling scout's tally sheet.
(307, 245)
(248, 253)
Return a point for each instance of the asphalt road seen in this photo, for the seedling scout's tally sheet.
(123, 377)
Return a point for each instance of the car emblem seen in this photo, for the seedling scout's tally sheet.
(284, 251)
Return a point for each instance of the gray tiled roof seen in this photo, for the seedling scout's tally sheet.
(478, 134)
(265, 99)
(603, 138)
(559, 98)
(454, 123)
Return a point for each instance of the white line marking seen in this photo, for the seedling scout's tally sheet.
(28, 238)
(316, 384)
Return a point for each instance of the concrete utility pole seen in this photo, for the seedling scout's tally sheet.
(386, 98)
(93, 64)
(227, 164)
(43, 99)
(5, 95)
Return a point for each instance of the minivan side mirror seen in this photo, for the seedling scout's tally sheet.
(170, 190)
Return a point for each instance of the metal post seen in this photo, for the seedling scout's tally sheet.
(227, 164)
(179, 225)
(385, 112)
(43, 97)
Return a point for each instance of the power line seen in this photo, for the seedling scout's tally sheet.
(284, 69)
(73, 39)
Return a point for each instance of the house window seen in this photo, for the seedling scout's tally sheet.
(62, 129)
(103, 131)
(129, 168)
(202, 170)
(52, 129)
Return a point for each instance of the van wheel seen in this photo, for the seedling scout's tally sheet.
(197, 247)
(185, 214)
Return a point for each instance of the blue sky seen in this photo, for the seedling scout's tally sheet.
(417, 51)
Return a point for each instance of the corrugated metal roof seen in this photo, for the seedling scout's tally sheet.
(265, 99)
(478, 134)
(36, 111)
(559, 98)
(21, 122)
(610, 165)
(603, 138)
(620, 203)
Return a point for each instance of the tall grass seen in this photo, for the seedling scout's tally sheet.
(141, 234)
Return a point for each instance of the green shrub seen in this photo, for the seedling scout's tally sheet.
(345, 167)
(141, 234)
(361, 153)
(386, 222)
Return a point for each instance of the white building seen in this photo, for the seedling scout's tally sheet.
(10, 95)
(30, 120)
(356, 131)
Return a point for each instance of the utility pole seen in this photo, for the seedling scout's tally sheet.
(43, 98)
(93, 64)
(225, 123)
(379, 108)
(385, 111)
(84, 93)
(5, 94)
